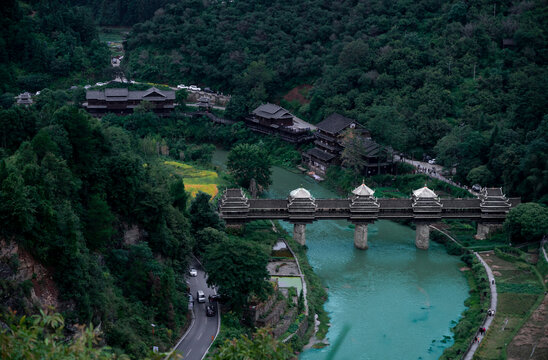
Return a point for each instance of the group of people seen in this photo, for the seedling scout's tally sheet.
(491, 312)
(481, 332)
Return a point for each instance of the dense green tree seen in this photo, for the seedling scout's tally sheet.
(246, 162)
(178, 194)
(202, 213)
(99, 222)
(207, 237)
(238, 268)
(527, 222)
(42, 336)
(262, 346)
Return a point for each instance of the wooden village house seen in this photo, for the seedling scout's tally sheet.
(122, 101)
(272, 119)
(329, 147)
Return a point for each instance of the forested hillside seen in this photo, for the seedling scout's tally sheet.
(105, 219)
(121, 12)
(465, 81)
(48, 44)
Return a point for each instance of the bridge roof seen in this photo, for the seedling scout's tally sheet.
(425, 193)
(363, 190)
(300, 193)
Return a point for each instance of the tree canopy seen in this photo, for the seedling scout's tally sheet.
(250, 161)
(527, 222)
(238, 268)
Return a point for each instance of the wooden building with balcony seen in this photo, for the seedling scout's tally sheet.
(122, 101)
(272, 119)
(329, 147)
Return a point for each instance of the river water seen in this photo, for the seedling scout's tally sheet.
(391, 301)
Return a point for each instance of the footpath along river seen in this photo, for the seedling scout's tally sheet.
(392, 300)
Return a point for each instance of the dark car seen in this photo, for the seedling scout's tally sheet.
(210, 310)
(209, 91)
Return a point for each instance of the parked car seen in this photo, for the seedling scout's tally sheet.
(193, 272)
(209, 91)
(214, 297)
(476, 187)
(194, 88)
(432, 161)
(201, 296)
(210, 310)
(190, 299)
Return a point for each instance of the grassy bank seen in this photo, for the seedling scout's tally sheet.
(520, 291)
(520, 288)
(232, 325)
(343, 181)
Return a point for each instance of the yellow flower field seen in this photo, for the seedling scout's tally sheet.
(195, 179)
(210, 189)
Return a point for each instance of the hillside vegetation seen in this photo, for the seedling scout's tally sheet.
(108, 221)
(48, 44)
(426, 77)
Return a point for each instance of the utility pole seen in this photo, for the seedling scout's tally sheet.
(474, 71)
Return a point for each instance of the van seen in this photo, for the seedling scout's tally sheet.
(201, 296)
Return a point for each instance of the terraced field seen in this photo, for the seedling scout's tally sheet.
(195, 179)
(520, 293)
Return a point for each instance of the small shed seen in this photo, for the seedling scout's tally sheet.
(204, 103)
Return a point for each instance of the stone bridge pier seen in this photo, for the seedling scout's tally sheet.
(299, 233)
(422, 235)
(360, 236)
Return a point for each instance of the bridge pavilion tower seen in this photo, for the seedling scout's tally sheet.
(426, 210)
(301, 207)
(364, 210)
(494, 208)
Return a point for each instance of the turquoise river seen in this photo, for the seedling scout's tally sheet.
(391, 301)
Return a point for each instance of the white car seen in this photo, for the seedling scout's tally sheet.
(432, 162)
(193, 272)
(194, 88)
(182, 86)
(201, 296)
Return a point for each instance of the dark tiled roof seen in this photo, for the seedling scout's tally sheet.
(494, 192)
(122, 94)
(335, 123)
(395, 203)
(322, 155)
(333, 203)
(268, 203)
(272, 111)
(460, 203)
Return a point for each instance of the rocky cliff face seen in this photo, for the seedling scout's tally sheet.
(27, 283)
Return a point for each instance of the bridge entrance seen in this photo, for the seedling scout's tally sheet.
(361, 208)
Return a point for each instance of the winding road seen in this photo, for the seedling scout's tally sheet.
(202, 331)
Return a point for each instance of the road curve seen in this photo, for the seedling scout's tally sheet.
(203, 330)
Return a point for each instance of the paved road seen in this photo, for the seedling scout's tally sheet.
(489, 319)
(434, 171)
(203, 330)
